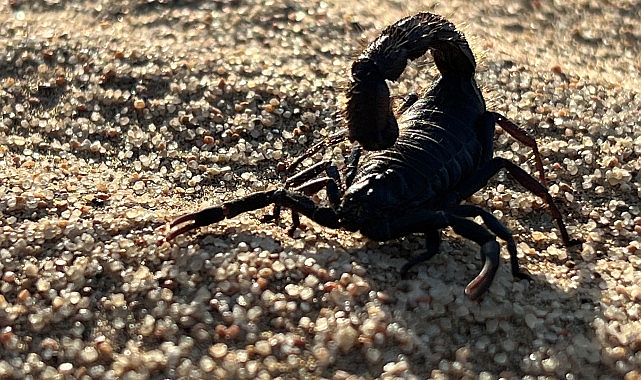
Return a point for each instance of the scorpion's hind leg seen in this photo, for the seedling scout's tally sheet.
(524, 138)
(539, 190)
(485, 130)
(492, 167)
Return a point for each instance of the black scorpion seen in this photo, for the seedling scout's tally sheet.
(415, 172)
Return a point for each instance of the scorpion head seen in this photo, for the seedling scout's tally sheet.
(368, 113)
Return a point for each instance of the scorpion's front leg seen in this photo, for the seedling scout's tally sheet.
(301, 177)
(309, 186)
(330, 184)
(296, 180)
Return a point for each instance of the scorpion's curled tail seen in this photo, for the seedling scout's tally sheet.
(370, 119)
(411, 37)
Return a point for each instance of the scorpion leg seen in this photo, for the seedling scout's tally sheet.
(331, 140)
(491, 222)
(479, 180)
(433, 240)
(539, 190)
(352, 165)
(334, 191)
(524, 138)
(303, 204)
(330, 183)
(314, 186)
(296, 180)
(306, 174)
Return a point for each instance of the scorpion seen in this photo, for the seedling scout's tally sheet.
(414, 172)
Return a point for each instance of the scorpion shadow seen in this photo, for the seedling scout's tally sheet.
(423, 325)
(425, 322)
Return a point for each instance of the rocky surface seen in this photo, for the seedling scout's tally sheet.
(118, 116)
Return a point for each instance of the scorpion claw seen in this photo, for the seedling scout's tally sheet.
(482, 282)
(478, 286)
(178, 231)
(194, 220)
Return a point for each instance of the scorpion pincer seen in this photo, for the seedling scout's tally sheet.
(415, 172)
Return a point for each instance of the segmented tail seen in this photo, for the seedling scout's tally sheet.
(411, 37)
(370, 119)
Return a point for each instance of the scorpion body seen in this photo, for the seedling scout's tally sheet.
(416, 171)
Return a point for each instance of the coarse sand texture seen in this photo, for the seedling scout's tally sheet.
(118, 116)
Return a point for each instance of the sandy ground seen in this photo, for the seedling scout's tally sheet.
(118, 116)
